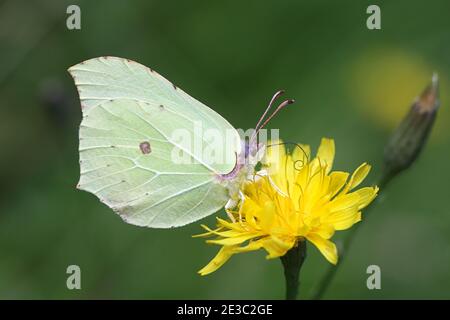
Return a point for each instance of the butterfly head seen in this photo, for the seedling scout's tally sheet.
(252, 153)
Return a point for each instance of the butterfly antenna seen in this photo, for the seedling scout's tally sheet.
(275, 96)
(282, 105)
(258, 126)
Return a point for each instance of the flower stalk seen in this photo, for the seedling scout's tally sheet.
(292, 263)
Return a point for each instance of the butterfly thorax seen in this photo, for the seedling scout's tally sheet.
(244, 170)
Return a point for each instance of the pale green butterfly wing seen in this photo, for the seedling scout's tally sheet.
(126, 145)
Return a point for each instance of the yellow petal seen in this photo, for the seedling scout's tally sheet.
(325, 230)
(344, 202)
(325, 154)
(326, 247)
(233, 240)
(337, 181)
(222, 256)
(277, 247)
(252, 246)
(358, 176)
(344, 219)
(366, 195)
(267, 216)
(229, 225)
(208, 233)
(249, 205)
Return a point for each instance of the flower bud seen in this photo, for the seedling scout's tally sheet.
(408, 139)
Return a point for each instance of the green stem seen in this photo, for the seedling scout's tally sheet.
(292, 263)
(332, 269)
(331, 272)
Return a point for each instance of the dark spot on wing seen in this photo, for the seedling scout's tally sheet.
(145, 147)
(174, 86)
(161, 107)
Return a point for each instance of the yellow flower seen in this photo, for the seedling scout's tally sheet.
(291, 199)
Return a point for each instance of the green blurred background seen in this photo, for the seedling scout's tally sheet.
(350, 83)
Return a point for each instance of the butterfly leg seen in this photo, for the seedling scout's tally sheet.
(242, 199)
(230, 205)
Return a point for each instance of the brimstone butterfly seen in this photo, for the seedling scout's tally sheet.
(126, 147)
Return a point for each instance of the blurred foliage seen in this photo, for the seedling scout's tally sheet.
(350, 83)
